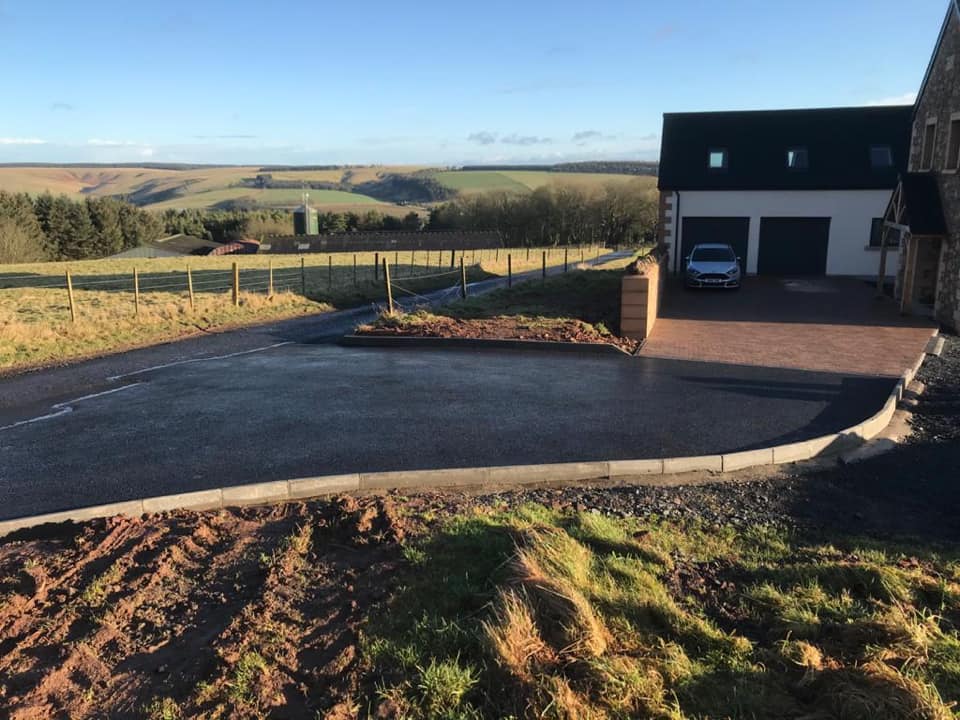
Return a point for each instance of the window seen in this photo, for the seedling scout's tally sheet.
(926, 150)
(797, 158)
(881, 156)
(952, 161)
(717, 159)
(876, 235)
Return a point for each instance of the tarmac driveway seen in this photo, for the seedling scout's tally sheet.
(316, 409)
(833, 325)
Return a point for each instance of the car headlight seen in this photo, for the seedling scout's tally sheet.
(735, 270)
(693, 271)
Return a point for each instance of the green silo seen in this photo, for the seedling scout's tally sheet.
(305, 219)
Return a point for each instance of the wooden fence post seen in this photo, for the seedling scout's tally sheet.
(386, 279)
(565, 259)
(136, 292)
(509, 270)
(236, 285)
(413, 257)
(376, 266)
(354, 269)
(453, 255)
(528, 252)
(73, 306)
(190, 286)
(463, 279)
(270, 279)
(329, 271)
(543, 264)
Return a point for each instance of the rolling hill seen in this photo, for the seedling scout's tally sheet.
(340, 189)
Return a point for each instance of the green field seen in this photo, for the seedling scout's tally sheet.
(476, 181)
(269, 197)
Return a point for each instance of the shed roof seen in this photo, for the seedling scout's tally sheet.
(837, 141)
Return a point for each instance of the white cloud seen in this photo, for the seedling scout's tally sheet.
(21, 141)
(146, 152)
(907, 98)
(99, 142)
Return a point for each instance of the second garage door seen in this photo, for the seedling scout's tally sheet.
(793, 246)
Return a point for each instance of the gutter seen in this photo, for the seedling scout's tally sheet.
(676, 236)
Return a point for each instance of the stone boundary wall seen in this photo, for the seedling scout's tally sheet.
(382, 241)
(640, 298)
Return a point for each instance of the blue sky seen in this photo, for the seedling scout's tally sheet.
(428, 82)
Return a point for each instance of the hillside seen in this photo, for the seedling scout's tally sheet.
(388, 189)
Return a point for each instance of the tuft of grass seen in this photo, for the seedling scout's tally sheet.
(245, 678)
(163, 709)
(577, 615)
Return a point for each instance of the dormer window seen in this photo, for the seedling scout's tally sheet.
(797, 158)
(717, 159)
(881, 157)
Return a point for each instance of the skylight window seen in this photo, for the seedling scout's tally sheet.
(797, 158)
(881, 156)
(717, 159)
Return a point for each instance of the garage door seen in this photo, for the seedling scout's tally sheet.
(793, 246)
(733, 231)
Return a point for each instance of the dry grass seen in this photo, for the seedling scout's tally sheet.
(35, 318)
(584, 616)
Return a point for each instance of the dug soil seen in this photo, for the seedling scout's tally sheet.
(503, 328)
(259, 612)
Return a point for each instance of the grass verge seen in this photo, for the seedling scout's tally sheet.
(579, 306)
(534, 613)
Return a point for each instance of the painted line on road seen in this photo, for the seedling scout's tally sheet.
(204, 359)
(66, 407)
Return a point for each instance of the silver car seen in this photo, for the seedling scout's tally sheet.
(712, 265)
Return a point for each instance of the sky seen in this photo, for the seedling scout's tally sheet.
(426, 82)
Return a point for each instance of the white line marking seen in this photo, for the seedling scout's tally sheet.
(50, 416)
(66, 407)
(203, 359)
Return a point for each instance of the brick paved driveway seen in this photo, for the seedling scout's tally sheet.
(824, 324)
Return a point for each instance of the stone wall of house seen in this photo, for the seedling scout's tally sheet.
(941, 98)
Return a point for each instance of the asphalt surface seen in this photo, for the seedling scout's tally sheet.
(306, 409)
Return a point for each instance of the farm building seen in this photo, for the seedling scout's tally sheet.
(795, 192)
(179, 245)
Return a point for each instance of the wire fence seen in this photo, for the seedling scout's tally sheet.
(409, 274)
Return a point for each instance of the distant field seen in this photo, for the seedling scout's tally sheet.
(269, 198)
(477, 181)
(161, 189)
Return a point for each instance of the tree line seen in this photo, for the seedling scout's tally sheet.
(619, 214)
(56, 227)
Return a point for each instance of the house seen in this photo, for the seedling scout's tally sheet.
(923, 216)
(795, 192)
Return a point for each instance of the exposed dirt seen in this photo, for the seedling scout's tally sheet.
(504, 328)
(230, 614)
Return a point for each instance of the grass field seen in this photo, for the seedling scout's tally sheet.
(478, 181)
(206, 187)
(35, 317)
(577, 615)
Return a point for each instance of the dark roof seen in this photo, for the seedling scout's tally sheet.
(837, 140)
(185, 244)
(921, 197)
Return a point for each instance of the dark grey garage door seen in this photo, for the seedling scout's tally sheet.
(731, 230)
(793, 246)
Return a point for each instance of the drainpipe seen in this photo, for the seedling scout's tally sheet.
(676, 236)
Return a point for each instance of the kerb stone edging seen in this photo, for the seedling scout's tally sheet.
(305, 488)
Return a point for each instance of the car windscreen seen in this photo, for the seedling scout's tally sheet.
(713, 255)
